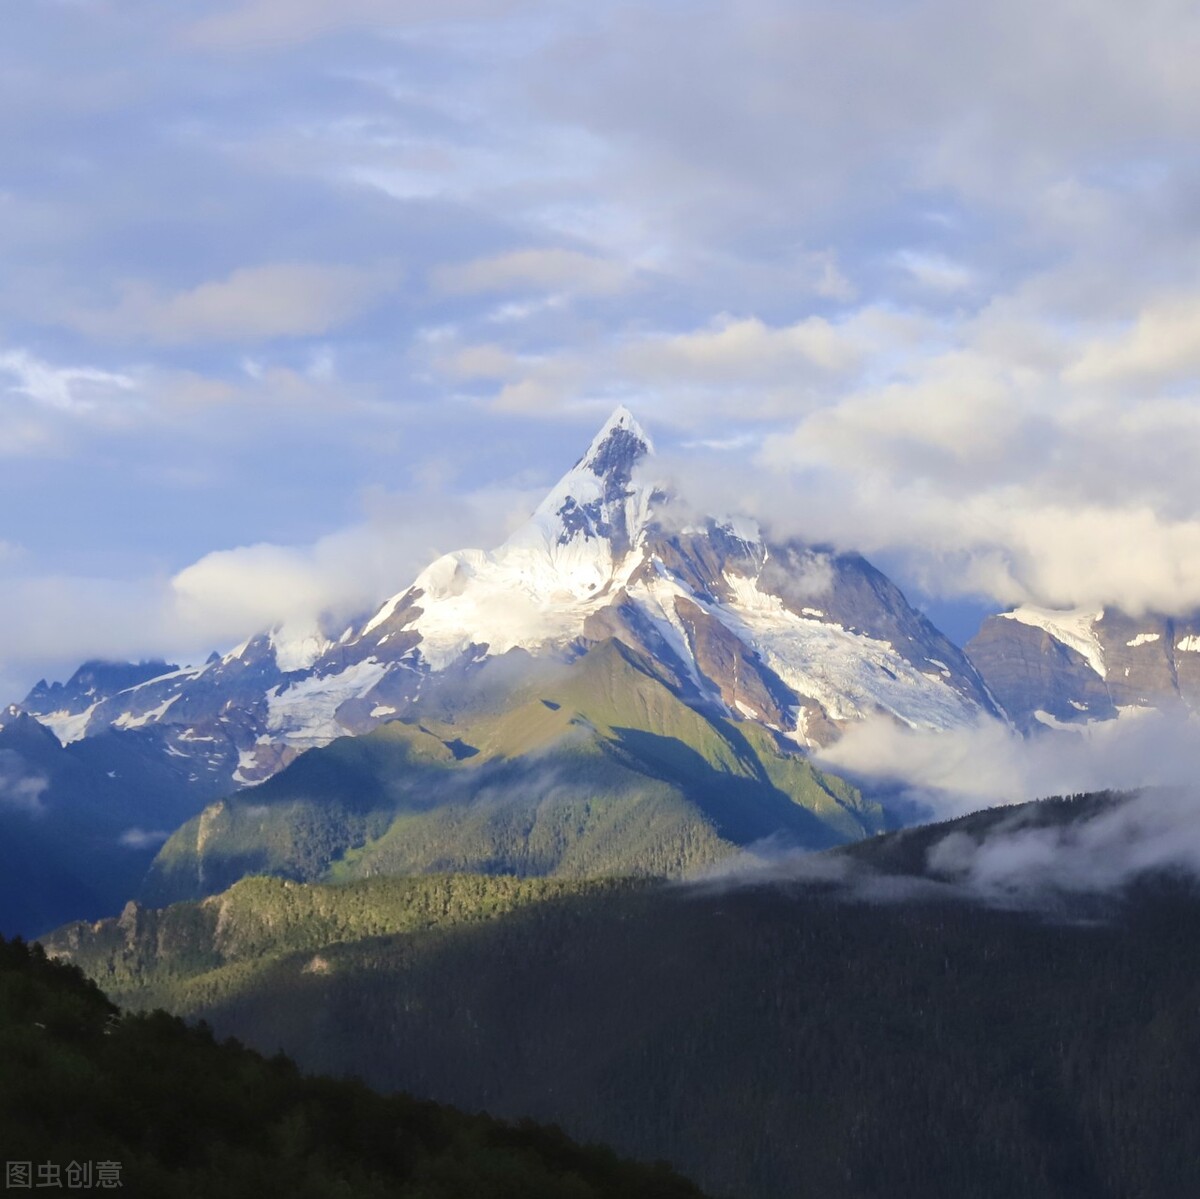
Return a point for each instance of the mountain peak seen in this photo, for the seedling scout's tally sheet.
(620, 442)
(591, 499)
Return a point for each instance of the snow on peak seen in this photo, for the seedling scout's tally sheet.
(605, 472)
(597, 499)
(576, 550)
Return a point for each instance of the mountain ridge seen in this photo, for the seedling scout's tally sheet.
(822, 638)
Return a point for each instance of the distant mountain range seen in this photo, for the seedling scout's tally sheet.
(651, 626)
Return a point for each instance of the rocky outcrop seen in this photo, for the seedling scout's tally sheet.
(1029, 671)
(1045, 668)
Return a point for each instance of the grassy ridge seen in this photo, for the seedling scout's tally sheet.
(599, 769)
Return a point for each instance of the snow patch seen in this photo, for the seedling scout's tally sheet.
(68, 726)
(247, 758)
(388, 608)
(1074, 628)
(302, 714)
(131, 720)
(1052, 722)
(1142, 639)
(849, 674)
(743, 528)
(1133, 712)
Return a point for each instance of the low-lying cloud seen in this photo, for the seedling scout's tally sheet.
(1150, 831)
(140, 838)
(21, 789)
(946, 774)
(1026, 857)
(1032, 858)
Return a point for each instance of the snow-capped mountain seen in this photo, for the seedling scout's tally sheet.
(1048, 668)
(802, 639)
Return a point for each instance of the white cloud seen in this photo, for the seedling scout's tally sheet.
(831, 282)
(742, 349)
(228, 595)
(737, 364)
(961, 406)
(935, 271)
(958, 771)
(1164, 342)
(21, 789)
(67, 389)
(289, 299)
(49, 410)
(538, 270)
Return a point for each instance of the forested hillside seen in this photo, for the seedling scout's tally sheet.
(173, 1114)
(775, 1042)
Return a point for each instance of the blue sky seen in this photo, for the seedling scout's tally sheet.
(297, 293)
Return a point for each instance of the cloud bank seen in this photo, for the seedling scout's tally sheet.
(261, 256)
(947, 774)
(1072, 861)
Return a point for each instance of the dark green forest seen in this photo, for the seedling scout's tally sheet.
(187, 1117)
(778, 1041)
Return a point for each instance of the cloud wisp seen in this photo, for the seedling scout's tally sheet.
(21, 790)
(251, 305)
(946, 774)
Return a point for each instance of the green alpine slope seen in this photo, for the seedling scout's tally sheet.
(593, 769)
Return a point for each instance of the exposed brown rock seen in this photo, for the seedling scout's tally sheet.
(1139, 660)
(1027, 670)
(741, 677)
